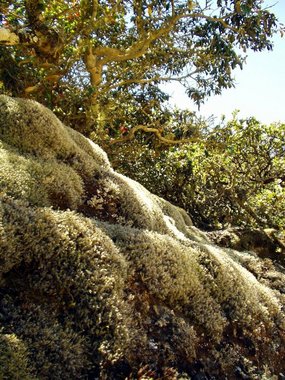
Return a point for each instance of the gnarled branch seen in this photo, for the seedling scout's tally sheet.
(131, 135)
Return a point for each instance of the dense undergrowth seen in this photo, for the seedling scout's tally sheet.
(230, 173)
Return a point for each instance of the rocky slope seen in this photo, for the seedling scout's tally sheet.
(100, 279)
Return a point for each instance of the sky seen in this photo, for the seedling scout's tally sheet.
(260, 86)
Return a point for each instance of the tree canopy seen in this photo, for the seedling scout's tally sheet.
(103, 60)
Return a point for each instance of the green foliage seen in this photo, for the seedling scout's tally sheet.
(232, 175)
(99, 64)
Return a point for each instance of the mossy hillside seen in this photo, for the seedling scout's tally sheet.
(13, 358)
(99, 277)
(67, 277)
(56, 166)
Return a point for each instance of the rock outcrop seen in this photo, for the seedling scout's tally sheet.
(100, 279)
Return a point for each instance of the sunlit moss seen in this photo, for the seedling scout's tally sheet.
(99, 277)
(13, 358)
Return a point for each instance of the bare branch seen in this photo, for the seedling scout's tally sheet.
(138, 48)
(145, 81)
(214, 19)
(156, 131)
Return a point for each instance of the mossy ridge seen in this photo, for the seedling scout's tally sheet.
(63, 288)
(13, 358)
(66, 169)
(124, 280)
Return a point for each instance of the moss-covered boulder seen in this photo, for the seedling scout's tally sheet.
(100, 279)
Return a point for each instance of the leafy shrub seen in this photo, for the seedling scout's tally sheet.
(232, 175)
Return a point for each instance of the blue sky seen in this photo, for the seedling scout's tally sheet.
(260, 86)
